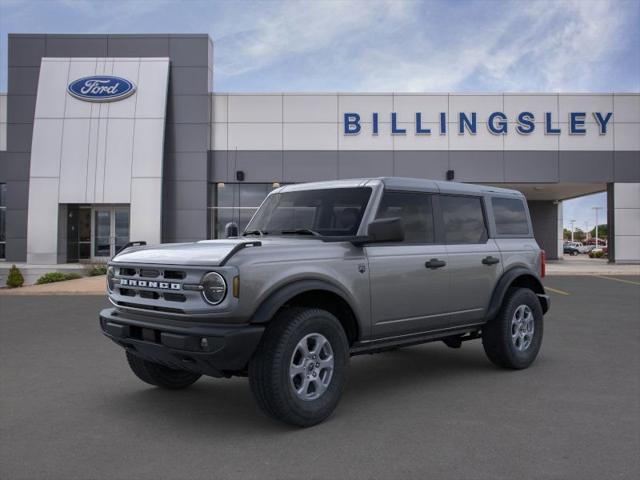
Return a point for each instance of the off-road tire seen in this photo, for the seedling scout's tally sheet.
(496, 334)
(159, 375)
(269, 375)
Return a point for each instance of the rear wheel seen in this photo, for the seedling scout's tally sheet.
(159, 375)
(513, 338)
(299, 371)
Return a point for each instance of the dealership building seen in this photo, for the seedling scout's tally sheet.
(106, 139)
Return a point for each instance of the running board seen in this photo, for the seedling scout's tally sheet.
(383, 344)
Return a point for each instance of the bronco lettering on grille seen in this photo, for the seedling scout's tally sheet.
(130, 282)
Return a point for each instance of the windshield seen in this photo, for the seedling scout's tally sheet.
(324, 212)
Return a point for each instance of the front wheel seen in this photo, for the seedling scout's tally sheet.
(299, 371)
(513, 338)
(159, 375)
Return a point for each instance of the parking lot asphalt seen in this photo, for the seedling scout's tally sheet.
(70, 408)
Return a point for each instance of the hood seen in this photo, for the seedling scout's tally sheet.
(205, 253)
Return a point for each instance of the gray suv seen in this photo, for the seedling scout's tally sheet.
(328, 270)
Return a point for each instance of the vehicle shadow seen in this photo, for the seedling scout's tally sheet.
(218, 406)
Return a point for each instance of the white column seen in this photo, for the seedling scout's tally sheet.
(626, 205)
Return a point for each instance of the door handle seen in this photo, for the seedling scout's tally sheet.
(435, 263)
(490, 260)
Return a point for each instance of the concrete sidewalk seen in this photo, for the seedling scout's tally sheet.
(583, 265)
(81, 286)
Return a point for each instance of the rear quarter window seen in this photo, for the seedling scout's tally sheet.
(510, 215)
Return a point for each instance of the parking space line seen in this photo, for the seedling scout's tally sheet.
(555, 290)
(618, 279)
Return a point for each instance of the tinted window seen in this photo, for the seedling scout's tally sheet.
(463, 219)
(415, 211)
(510, 216)
(329, 212)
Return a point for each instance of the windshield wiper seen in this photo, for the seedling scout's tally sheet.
(301, 231)
(254, 232)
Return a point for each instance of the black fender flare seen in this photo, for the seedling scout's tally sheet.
(506, 280)
(280, 296)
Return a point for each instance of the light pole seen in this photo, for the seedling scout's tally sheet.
(596, 209)
(572, 228)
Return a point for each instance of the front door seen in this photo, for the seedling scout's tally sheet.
(410, 279)
(110, 231)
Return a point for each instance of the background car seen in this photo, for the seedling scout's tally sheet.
(570, 249)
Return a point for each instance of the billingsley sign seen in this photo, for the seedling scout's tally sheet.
(497, 123)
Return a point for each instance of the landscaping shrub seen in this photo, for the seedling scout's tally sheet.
(52, 277)
(15, 278)
(97, 270)
(596, 254)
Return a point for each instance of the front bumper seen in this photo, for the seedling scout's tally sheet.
(214, 350)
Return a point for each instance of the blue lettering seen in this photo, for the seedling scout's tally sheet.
(548, 129)
(443, 123)
(501, 127)
(525, 123)
(419, 129)
(602, 122)
(394, 125)
(375, 123)
(351, 123)
(576, 123)
(470, 125)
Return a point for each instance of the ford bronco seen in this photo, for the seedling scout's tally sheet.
(324, 271)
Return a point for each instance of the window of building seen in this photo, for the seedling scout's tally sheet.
(416, 213)
(235, 202)
(510, 216)
(463, 219)
(3, 216)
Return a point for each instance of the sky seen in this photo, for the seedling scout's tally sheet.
(378, 45)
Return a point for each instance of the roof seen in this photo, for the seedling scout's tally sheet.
(403, 183)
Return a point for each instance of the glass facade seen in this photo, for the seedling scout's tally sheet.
(3, 216)
(235, 202)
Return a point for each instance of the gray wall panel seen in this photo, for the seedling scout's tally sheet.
(16, 224)
(16, 167)
(187, 137)
(528, 166)
(26, 50)
(186, 225)
(422, 164)
(138, 46)
(586, 166)
(16, 249)
(357, 163)
(187, 195)
(544, 217)
(22, 108)
(23, 80)
(303, 165)
(477, 166)
(626, 166)
(19, 137)
(218, 166)
(190, 51)
(258, 165)
(188, 80)
(185, 166)
(189, 109)
(76, 46)
(17, 195)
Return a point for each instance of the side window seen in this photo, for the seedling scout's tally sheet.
(415, 211)
(463, 219)
(510, 216)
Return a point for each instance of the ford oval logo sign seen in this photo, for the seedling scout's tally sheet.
(101, 88)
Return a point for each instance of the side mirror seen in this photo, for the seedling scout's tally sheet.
(231, 230)
(386, 230)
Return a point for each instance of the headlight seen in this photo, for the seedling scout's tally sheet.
(111, 272)
(214, 288)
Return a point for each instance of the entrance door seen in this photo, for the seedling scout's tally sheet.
(110, 231)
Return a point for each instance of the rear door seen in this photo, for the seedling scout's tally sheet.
(474, 259)
(409, 280)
